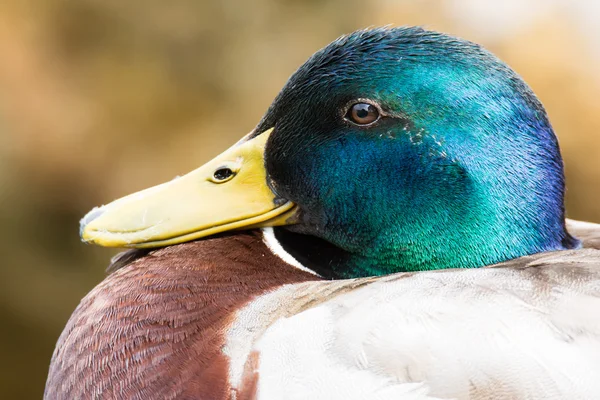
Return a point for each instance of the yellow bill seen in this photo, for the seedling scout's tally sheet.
(229, 192)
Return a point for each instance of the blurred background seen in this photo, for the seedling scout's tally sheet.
(99, 98)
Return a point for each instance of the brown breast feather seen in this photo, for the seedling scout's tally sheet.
(154, 329)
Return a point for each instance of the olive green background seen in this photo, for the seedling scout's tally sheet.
(99, 98)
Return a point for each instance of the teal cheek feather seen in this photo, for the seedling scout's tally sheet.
(385, 206)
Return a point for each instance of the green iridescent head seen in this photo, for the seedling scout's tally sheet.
(390, 150)
(407, 150)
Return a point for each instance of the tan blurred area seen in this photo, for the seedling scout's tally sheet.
(99, 98)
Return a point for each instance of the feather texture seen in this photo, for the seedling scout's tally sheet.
(226, 318)
(154, 328)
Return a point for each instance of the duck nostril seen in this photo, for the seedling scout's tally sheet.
(223, 174)
(89, 217)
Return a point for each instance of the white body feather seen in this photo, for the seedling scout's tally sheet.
(530, 331)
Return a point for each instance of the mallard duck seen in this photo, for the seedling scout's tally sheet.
(392, 228)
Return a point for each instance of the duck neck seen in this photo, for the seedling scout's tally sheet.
(469, 234)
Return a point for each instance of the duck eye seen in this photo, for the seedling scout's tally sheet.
(363, 114)
(223, 174)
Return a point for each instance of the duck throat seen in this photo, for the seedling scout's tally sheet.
(469, 243)
(318, 255)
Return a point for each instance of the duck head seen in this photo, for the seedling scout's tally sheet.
(393, 149)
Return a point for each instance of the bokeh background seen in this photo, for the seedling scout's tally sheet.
(99, 98)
